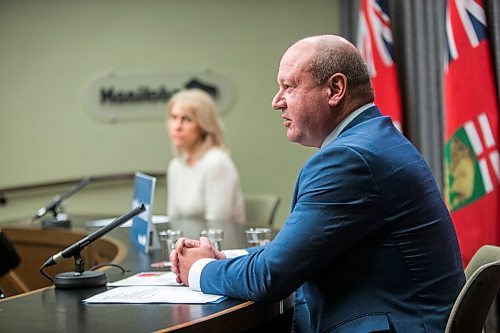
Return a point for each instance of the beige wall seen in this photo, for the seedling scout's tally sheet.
(51, 50)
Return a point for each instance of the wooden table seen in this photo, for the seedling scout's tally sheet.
(56, 310)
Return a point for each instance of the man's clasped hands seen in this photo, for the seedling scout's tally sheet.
(187, 252)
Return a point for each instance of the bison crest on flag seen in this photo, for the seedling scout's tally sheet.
(471, 156)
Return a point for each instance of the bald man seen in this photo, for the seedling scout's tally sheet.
(369, 245)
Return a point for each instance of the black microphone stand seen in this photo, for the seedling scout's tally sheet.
(80, 278)
(58, 218)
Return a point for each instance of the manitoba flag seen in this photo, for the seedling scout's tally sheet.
(376, 46)
(471, 162)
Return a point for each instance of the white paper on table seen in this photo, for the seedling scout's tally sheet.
(153, 294)
(157, 219)
(147, 279)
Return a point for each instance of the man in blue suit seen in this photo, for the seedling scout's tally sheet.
(369, 245)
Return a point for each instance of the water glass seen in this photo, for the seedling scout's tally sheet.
(168, 239)
(216, 236)
(258, 236)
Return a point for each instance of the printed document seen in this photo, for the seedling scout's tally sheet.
(147, 279)
(154, 294)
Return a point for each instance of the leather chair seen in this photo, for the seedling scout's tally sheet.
(261, 209)
(9, 259)
(476, 297)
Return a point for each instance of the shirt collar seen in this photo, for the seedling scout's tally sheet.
(336, 131)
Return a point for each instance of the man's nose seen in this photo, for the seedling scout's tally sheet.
(278, 102)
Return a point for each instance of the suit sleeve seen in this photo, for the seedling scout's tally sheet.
(336, 202)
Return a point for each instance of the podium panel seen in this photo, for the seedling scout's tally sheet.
(35, 246)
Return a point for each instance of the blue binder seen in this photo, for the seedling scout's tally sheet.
(143, 232)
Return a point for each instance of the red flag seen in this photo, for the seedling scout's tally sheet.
(471, 129)
(376, 46)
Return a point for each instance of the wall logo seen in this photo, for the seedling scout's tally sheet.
(119, 97)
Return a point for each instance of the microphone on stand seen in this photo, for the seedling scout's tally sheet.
(59, 219)
(81, 278)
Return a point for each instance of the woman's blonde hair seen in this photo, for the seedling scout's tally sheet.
(203, 107)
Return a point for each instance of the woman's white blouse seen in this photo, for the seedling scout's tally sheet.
(209, 190)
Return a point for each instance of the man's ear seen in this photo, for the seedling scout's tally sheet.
(337, 87)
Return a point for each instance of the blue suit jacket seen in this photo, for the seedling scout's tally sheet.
(368, 238)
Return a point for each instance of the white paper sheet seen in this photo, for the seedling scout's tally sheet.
(147, 279)
(157, 219)
(153, 294)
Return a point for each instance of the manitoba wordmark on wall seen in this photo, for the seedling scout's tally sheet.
(115, 97)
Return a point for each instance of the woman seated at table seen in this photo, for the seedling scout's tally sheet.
(202, 180)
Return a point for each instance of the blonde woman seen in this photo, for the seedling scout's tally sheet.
(202, 179)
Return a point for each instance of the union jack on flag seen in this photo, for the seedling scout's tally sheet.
(473, 20)
(375, 44)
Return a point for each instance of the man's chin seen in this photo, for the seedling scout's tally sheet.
(292, 138)
(301, 141)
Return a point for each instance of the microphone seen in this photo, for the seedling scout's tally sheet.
(59, 220)
(81, 278)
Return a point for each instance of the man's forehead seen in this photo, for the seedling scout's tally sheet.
(295, 59)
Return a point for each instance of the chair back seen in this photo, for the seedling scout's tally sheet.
(485, 255)
(9, 259)
(261, 209)
(477, 295)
